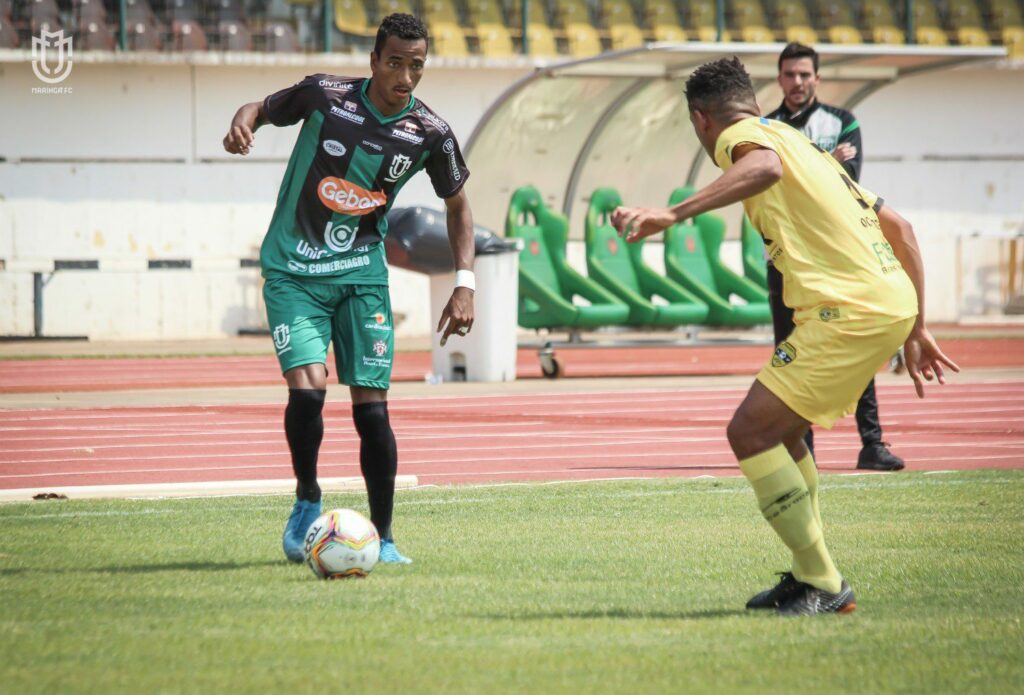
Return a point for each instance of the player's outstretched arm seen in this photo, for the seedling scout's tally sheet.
(922, 354)
(457, 316)
(248, 118)
(756, 169)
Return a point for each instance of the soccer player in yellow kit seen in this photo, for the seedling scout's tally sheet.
(854, 277)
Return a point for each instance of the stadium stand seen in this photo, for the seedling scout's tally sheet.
(487, 25)
(547, 283)
(619, 268)
(692, 259)
(927, 25)
(879, 22)
(965, 23)
(662, 20)
(702, 21)
(582, 39)
(622, 30)
(493, 28)
(1007, 25)
(540, 36)
(750, 23)
(794, 23)
(836, 21)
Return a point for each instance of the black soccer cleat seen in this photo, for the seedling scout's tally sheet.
(771, 598)
(810, 600)
(877, 457)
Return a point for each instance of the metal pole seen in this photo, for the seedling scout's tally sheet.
(720, 19)
(908, 8)
(526, 24)
(122, 22)
(37, 301)
(328, 15)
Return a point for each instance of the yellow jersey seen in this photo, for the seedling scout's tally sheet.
(821, 231)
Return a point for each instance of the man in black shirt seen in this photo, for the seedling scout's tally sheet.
(834, 130)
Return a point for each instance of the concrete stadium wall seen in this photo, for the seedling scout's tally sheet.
(128, 168)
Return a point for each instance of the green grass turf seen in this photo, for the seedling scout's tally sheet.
(600, 587)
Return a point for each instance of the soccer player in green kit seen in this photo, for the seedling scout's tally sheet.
(323, 256)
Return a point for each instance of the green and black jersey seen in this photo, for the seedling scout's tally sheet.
(826, 126)
(349, 163)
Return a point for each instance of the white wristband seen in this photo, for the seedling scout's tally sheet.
(465, 278)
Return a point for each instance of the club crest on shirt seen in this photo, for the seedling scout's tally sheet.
(828, 313)
(784, 354)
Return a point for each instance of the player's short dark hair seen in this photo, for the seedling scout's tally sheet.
(798, 50)
(402, 26)
(714, 86)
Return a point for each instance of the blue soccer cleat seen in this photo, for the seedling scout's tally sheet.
(389, 554)
(304, 513)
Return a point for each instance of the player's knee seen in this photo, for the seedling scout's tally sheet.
(746, 435)
(305, 404)
(371, 419)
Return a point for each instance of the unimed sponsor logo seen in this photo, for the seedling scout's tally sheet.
(348, 198)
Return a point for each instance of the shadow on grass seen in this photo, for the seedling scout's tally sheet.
(145, 569)
(621, 614)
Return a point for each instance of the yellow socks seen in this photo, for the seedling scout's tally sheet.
(785, 501)
(810, 473)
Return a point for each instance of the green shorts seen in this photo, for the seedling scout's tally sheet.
(305, 317)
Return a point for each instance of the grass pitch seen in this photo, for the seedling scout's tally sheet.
(601, 587)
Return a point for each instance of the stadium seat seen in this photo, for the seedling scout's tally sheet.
(386, 7)
(234, 35)
(753, 254)
(145, 31)
(184, 10)
(748, 17)
(446, 35)
(547, 283)
(662, 20)
(692, 260)
(965, 23)
(94, 36)
(280, 37)
(1008, 25)
(702, 21)
(8, 34)
(488, 25)
(927, 26)
(836, 20)
(794, 23)
(539, 32)
(620, 269)
(187, 35)
(229, 10)
(623, 32)
(878, 19)
(350, 18)
(581, 36)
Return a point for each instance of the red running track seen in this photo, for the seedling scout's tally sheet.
(483, 439)
(35, 376)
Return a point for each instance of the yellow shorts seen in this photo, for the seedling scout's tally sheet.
(823, 367)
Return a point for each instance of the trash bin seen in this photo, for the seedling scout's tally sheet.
(417, 240)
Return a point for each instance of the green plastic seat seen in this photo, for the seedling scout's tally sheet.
(692, 259)
(754, 268)
(547, 283)
(620, 269)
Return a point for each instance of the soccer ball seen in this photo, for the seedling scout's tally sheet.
(342, 543)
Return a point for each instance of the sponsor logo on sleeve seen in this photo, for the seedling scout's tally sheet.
(449, 149)
(353, 117)
(336, 86)
(433, 120)
(342, 196)
(334, 148)
(400, 164)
